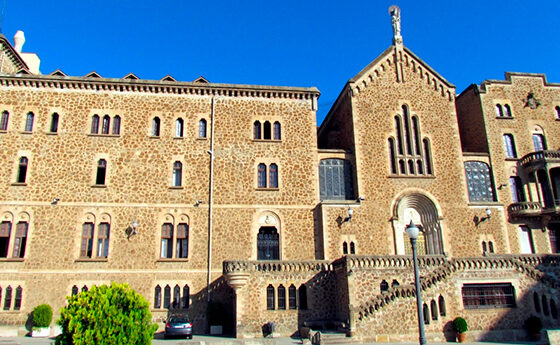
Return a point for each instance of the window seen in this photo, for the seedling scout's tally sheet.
(175, 241)
(17, 301)
(186, 297)
(95, 244)
(516, 187)
(4, 120)
(87, 240)
(557, 112)
(166, 297)
(257, 130)
(177, 174)
(182, 241)
(202, 128)
(261, 172)
(22, 170)
(526, 240)
(509, 145)
(266, 131)
(156, 126)
(508, 110)
(544, 305)
(434, 310)
(103, 240)
(479, 182)
(270, 180)
(101, 172)
(499, 110)
(95, 124)
(179, 128)
(8, 298)
(536, 302)
(491, 246)
(176, 297)
(157, 297)
(335, 179)
(167, 241)
(29, 122)
(268, 244)
(554, 239)
(352, 248)
(345, 248)
(270, 299)
(5, 232)
(54, 123)
(292, 297)
(302, 294)
(477, 296)
(116, 125)
(277, 131)
(20, 240)
(106, 124)
(281, 297)
(273, 176)
(538, 142)
(441, 304)
(426, 314)
(384, 286)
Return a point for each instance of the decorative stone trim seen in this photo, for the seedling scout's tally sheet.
(231, 267)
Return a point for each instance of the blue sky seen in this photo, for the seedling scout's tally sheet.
(288, 43)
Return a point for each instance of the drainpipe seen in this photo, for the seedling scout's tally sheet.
(210, 195)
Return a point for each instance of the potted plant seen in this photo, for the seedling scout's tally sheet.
(534, 325)
(461, 328)
(42, 317)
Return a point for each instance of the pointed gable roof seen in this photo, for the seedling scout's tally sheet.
(23, 71)
(58, 73)
(130, 76)
(168, 78)
(92, 74)
(201, 79)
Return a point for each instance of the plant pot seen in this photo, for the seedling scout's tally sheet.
(40, 332)
(461, 337)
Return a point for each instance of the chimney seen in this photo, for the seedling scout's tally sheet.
(19, 41)
(31, 59)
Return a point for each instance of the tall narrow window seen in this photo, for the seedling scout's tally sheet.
(384, 286)
(536, 302)
(166, 297)
(20, 240)
(106, 124)
(95, 124)
(509, 146)
(8, 298)
(261, 176)
(266, 131)
(538, 142)
(179, 128)
(17, 300)
(345, 248)
(426, 312)
(398, 130)
(302, 297)
(557, 112)
(256, 130)
(157, 297)
(554, 239)
(29, 122)
(416, 132)
(87, 240)
(182, 241)
(54, 123)
(499, 110)
(5, 232)
(544, 305)
(176, 296)
(270, 299)
(202, 128)
(103, 240)
(441, 304)
(479, 182)
(156, 126)
(433, 309)
(101, 172)
(22, 170)
(516, 187)
(281, 297)
(335, 179)
(74, 290)
(277, 131)
(268, 244)
(526, 243)
(273, 175)
(177, 174)
(407, 131)
(116, 125)
(4, 120)
(392, 156)
(292, 304)
(508, 110)
(352, 248)
(167, 241)
(186, 297)
(428, 156)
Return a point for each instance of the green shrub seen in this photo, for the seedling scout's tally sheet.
(42, 315)
(460, 325)
(533, 324)
(106, 315)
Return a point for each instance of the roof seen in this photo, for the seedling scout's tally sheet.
(12, 53)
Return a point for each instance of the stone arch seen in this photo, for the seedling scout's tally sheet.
(266, 222)
(416, 206)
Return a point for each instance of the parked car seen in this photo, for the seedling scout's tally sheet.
(176, 326)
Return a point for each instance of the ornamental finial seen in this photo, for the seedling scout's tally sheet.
(395, 13)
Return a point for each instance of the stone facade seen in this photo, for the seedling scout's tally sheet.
(193, 192)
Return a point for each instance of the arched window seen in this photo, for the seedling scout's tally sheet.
(410, 154)
(395, 283)
(94, 124)
(538, 142)
(182, 241)
(544, 305)
(434, 310)
(186, 297)
(426, 314)
(103, 240)
(101, 172)
(17, 301)
(277, 131)
(179, 128)
(484, 247)
(441, 304)
(508, 110)
(345, 248)
(416, 132)
(176, 297)
(268, 244)
(273, 176)
(557, 114)
(302, 297)
(177, 174)
(266, 131)
(167, 241)
(4, 120)
(74, 290)
(29, 122)
(116, 125)
(509, 145)
(398, 130)
(54, 123)
(384, 286)
(490, 247)
(352, 248)
(536, 302)
(86, 249)
(22, 170)
(257, 130)
(156, 122)
(292, 299)
(261, 172)
(157, 297)
(5, 233)
(202, 128)
(281, 297)
(392, 156)
(335, 179)
(499, 110)
(85, 288)
(553, 310)
(166, 296)
(270, 299)
(428, 156)
(8, 298)
(479, 181)
(106, 125)
(20, 240)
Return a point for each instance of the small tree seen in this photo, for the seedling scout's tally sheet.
(106, 315)
(460, 325)
(42, 315)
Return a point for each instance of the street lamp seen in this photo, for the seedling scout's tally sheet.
(412, 232)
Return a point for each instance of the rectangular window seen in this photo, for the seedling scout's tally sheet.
(20, 240)
(526, 240)
(167, 241)
(182, 241)
(87, 240)
(480, 296)
(103, 240)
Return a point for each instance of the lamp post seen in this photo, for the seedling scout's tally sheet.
(412, 232)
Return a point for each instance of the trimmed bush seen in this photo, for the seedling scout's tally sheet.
(533, 324)
(106, 315)
(42, 316)
(460, 325)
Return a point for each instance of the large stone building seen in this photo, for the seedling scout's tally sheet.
(194, 191)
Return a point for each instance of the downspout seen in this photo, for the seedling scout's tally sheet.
(210, 195)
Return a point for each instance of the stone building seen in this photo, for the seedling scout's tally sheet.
(193, 192)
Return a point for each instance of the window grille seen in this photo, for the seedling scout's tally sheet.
(479, 296)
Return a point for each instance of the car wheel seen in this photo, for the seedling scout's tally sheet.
(189, 336)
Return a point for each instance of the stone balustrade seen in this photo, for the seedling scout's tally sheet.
(539, 156)
(525, 208)
(247, 266)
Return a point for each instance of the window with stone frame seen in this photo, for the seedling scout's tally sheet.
(105, 124)
(202, 128)
(509, 146)
(94, 124)
(101, 172)
(292, 298)
(267, 176)
(270, 298)
(441, 305)
(174, 242)
(179, 128)
(103, 240)
(4, 118)
(268, 244)
(95, 244)
(490, 295)
(11, 298)
(20, 240)
(54, 123)
(156, 126)
(479, 182)
(539, 142)
(335, 179)
(5, 233)
(516, 187)
(22, 170)
(177, 174)
(116, 125)
(29, 122)
(557, 112)
(281, 297)
(167, 241)
(266, 130)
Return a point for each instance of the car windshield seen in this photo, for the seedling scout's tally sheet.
(177, 319)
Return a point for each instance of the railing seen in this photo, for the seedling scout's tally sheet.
(276, 266)
(525, 208)
(389, 261)
(539, 155)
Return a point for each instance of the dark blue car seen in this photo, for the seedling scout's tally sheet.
(178, 326)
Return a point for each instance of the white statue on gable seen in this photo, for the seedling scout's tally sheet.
(395, 13)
